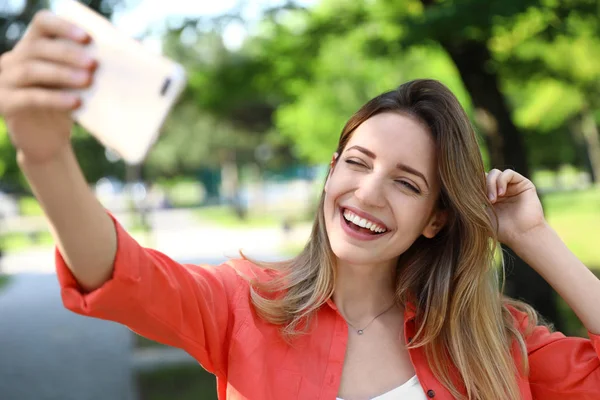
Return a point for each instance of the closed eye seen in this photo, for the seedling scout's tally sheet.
(352, 162)
(409, 186)
(406, 184)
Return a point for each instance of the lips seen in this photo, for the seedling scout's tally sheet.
(366, 216)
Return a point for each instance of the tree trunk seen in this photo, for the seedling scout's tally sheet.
(507, 150)
(592, 144)
(230, 183)
(138, 206)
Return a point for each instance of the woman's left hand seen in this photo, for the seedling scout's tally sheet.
(516, 203)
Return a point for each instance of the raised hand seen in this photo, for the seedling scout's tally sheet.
(38, 79)
(516, 203)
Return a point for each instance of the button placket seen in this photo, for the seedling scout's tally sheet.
(336, 358)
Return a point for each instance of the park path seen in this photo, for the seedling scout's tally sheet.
(48, 353)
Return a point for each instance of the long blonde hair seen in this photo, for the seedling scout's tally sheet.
(462, 316)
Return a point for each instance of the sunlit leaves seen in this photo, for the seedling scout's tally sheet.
(545, 105)
(345, 78)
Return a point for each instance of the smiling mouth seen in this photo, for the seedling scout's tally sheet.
(362, 225)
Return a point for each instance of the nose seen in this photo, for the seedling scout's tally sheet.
(370, 191)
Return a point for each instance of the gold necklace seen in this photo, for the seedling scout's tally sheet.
(361, 331)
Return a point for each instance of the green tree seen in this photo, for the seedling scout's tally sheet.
(296, 51)
(544, 51)
(344, 78)
(220, 121)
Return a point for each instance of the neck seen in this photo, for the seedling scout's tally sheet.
(363, 291)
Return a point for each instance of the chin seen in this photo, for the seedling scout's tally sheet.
(350, 254)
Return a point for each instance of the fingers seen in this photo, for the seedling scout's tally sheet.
(44, 67)
(28, 98)
(506, 177)
(55, 50)
(47, 24)
(499, 183)
(46, 74)
(492, 181)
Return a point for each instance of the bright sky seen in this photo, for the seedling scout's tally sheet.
(153, 14)
(145, 15)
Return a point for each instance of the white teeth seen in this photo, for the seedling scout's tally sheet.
(363, 223)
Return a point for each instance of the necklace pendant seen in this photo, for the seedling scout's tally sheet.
(360, 331)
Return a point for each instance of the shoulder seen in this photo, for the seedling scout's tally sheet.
(239, 274)
(535, 335)
(525, 319)
(250, 271)
(232, 278)
(234, 269)
(522, 319)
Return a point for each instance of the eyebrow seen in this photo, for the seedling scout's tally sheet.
(400, 166)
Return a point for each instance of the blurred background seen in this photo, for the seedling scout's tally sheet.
(243, 155)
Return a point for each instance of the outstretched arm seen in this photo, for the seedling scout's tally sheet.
(544, 251)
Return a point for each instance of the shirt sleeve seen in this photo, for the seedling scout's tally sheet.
(184, 306)
(560, 367)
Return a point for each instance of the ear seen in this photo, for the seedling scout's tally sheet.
(331, 167)
(436, 223)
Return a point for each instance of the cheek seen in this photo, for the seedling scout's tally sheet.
(411, 217)
(327, 204)
(329, 199)
(332, 187)
(340, 181)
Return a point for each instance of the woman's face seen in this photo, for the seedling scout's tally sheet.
(381, 193)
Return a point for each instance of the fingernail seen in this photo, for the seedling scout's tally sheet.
(79, 33)
(87, 61)
(500, 191)
(491, 196)
(77, 103)
(93, 66)
(80, 77)
(70, 100)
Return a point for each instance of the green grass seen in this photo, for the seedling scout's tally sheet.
(576, 216)
(567, 175)
(292, 249)
(177, 383)
(183, 192)
(225, 216)
(15, 241)
(29, 206)
(4, 280)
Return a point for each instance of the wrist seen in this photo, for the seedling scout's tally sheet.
(526, 243)
(39, 172)
(29, 162)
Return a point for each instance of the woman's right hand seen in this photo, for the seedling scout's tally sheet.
(37, 82)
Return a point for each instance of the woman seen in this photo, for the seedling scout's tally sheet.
(395, 295)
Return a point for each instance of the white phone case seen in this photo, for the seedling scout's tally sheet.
(133, 89)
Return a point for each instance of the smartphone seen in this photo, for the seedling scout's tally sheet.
(133, 89)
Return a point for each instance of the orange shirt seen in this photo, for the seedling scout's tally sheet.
(206, 311)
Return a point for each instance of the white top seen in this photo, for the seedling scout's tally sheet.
(410, 390)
